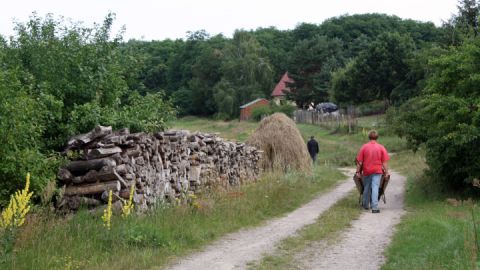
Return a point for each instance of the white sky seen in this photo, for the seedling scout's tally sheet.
(148, 19)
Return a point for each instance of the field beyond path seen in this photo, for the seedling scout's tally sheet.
(361, 246)
(233, 251)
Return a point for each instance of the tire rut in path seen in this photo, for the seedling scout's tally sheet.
(363, 244)
(234, 250)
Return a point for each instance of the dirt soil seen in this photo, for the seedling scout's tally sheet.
(363, 244)
(359, 247)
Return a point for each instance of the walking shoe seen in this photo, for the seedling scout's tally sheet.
(375, 211)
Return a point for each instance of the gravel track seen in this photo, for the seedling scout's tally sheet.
(363, 244)
(234, 250)
(359, 247)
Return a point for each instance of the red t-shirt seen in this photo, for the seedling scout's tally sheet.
(372, 155)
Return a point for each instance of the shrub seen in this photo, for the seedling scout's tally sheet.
(46, 97)
(370, 108)
(449, 130)
(446, 117)
(286, 109)
(262, 111)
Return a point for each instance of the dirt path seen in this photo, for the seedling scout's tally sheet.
(234, 250)
(361, 246)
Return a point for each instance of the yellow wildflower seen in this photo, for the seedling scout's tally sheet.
(107, 212)
(18, 207)
(128, 205)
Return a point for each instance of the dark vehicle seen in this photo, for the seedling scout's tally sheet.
(326, 107)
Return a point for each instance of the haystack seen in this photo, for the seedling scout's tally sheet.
(282, 144)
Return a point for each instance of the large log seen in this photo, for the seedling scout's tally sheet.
(82, 166)
(105, 174)
(92, 188)
(103, 152)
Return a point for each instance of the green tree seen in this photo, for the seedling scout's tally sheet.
(446, 118)
(311, 64)
(376, 72)
(246, 74)
(58, 80)
(278, 45)
(358, 31)
(207, 72)
(463, 25)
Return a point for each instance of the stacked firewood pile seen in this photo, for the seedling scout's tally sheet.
(163, 166)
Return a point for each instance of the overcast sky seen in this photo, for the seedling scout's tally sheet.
(148, 19)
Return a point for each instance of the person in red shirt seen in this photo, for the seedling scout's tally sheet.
(371, 164)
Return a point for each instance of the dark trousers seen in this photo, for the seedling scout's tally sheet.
(314, 158)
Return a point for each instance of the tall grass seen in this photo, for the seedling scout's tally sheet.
(140, 242)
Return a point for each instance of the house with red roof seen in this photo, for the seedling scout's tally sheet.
(280, 90)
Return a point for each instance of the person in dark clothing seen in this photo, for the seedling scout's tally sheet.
(313, 149)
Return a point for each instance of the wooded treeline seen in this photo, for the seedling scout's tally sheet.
(214, 75)
(59, 79)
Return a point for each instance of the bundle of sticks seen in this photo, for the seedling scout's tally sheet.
(162, 166)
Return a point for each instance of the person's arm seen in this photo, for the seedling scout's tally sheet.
(359, 167)
(359, 161)
(385, 160)
(385, 168)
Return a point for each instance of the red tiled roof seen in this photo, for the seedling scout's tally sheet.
(282, 85)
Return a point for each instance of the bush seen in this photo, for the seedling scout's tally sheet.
(260, 112)
(371, 108)
(46, 97)
(21, 129)
(286, 109)
(446, 118)
(449, 130)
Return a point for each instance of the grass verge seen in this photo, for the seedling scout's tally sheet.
(139, 242)
(327, 228)
(438, 231)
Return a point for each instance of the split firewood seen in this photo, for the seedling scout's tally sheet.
(80, 166)
(95, 188)
(162, 166)
(103, 152)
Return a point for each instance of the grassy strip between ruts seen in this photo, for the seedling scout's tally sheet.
(438, 230)
(327, 228)
(139, 242)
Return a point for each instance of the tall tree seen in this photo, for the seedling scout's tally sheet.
(207, 72)
(247, 74)
(468, 12)
(311, 64)
(463, 25)
(377, 71)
